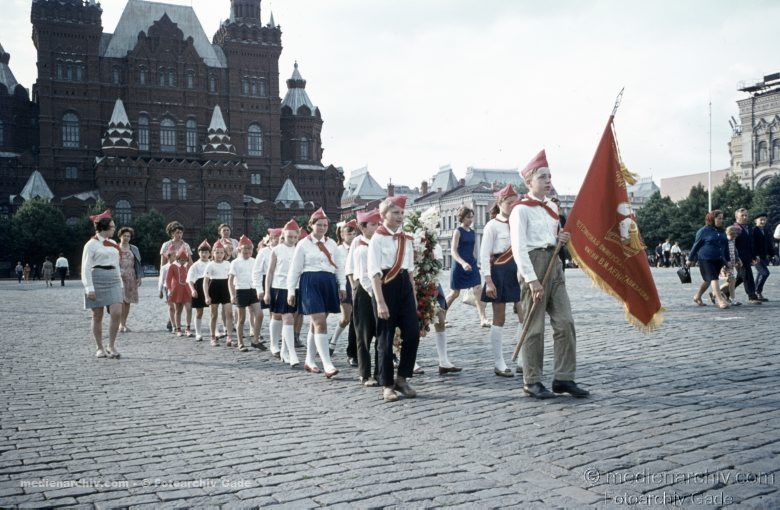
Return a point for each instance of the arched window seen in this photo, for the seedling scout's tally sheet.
(167, 135)
(224, 213)
(166, 189)
(263, 88)
(190, 79)
(255, 140)
(182, 189)
(763, 154)
(212, 83)
(303, 148)
(123, 213)
(142, 75)
(116, 75)
(80, 72)
(776, 150)
(244, 86)
(143, 133)
(2, 133)
(161, 76)
(70, 131)
(254, 87)
(192, 136)
(171, 78)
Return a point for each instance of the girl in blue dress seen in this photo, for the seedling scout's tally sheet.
(465, 271)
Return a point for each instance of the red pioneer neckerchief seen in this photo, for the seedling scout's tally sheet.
(106, 242)
(362, 242)
(532, 202)
(401, 236)
(505, 256)
(321, 246)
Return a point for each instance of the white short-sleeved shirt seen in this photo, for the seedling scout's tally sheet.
(197, 270)
(241, 269)
(217, 270)
(532, 227)
(357, 263)
(284, 255)
(382, 251)
(495, 240)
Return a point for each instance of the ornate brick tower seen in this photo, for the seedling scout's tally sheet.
(67, 35)
(301, 123)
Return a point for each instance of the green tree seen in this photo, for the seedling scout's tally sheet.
(689, 217)
(654, 219)
(209, 231)
(149, 235)
(767, 199)
(259, 228)
(38, 230)
(730, 196)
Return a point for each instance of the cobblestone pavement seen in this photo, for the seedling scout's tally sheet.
(686, 417)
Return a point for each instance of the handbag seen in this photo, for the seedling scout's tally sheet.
(684, 274)
(469, 298)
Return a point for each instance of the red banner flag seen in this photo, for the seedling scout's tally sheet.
(605, 240)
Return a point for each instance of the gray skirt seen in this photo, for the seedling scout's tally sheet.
(108, 289)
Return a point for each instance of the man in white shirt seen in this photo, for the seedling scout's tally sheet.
(62, 268)
(534, 230)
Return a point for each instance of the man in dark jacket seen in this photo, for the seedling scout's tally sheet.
(762, 253)
(744, 244)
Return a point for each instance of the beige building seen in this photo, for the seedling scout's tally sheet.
(755, 142)
(679, 187)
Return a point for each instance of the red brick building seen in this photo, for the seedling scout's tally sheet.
(156, 115)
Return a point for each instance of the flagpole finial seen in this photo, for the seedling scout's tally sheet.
(617, 101)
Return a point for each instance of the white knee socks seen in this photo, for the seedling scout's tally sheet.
(441, 349)
(275, 330)
(336, 334)
(321, 339)
(198, 325)
(311, 349)
(288, 339)
(496, 334)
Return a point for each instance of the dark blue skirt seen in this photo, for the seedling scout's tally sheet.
(318, 292)
(507, 286)
(462, 279)
(440, 298)
(710, 269)
(348, 298)
(279, 302)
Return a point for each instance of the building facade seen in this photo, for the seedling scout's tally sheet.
(755, 143)
(201, 134)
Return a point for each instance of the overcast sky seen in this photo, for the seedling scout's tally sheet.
(405, 86)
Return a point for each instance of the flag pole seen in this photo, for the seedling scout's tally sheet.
(530, 315)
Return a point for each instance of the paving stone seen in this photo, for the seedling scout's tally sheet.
(253, 432)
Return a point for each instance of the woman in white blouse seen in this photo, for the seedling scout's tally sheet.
(318, 272)
(499, 272)
(275, 296)
(103, 282)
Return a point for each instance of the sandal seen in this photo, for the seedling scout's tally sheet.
(214, 342)
(242, 348)
(229, 342)
(698, 301)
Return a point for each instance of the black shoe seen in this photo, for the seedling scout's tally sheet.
(168, 326)
(538, 391)
(755, 301)
(298, 343)
(259, 345)
(352, 362)
(331, 350)
(569, 387)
